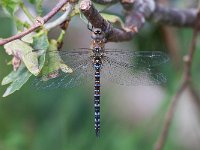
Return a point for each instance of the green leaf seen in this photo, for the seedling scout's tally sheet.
(54, 62)
(28, 38)
(23, 50)
(40, 42)
(38, 4)
(32, 1)
(33, 62)
(76, 11)
(20, 25)
(10, 6)
(18, 79)
(12, 76)
(101, 7)
(113, 19)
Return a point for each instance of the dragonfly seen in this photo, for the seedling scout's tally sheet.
(117, 65)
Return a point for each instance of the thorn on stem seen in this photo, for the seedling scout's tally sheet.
(39, 20)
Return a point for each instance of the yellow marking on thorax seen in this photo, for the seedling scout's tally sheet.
(99, 43)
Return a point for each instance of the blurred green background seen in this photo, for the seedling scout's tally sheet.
(131, 117)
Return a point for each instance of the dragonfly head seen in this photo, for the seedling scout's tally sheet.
(97, 31)
(97, 34)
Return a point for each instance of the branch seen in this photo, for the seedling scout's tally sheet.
(186, 82)
(98, 21)
(39, 22)
(168, 118)
(158, 13)
(137, 12)
(174, 17)
(106, 1)
(26, 12)
(165, 15)
(65, 16)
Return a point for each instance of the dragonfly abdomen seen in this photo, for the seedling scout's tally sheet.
(97, 97)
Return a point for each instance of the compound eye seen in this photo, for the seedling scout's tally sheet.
(99, 32)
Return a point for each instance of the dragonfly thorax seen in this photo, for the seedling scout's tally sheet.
(98, 42)
(98, 49)
(98, 52)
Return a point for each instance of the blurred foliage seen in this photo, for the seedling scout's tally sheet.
(38, 4)
(10, 6)
(63, 119)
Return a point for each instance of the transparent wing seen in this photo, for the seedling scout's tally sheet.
(81, 72)
(127, 74)
(35, 59)
(80, 61)
(74, 55)
(138, 58)
(122, 67)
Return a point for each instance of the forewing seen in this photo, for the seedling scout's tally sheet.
(138, 58)
(78, 60)
(60, 79)
(127, 74)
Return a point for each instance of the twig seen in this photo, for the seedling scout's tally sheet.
(37, 24)
(171, 41)
(172, 45)
(137, 11)
(135, 18)
(186, 82)
(106, 1)
(174, 16)
(98, 21)
(168, 118)
(65, 16)
(161, 14)
(26, 11)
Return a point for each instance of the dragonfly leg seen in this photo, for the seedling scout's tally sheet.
(108, 30)
(90, 27)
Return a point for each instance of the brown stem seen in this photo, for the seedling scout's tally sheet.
(39, 22)
(174, 17)
(137, 11)
(98, 21)
(168, 118)
(186, 82)
(172, 45)
(106, 1)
